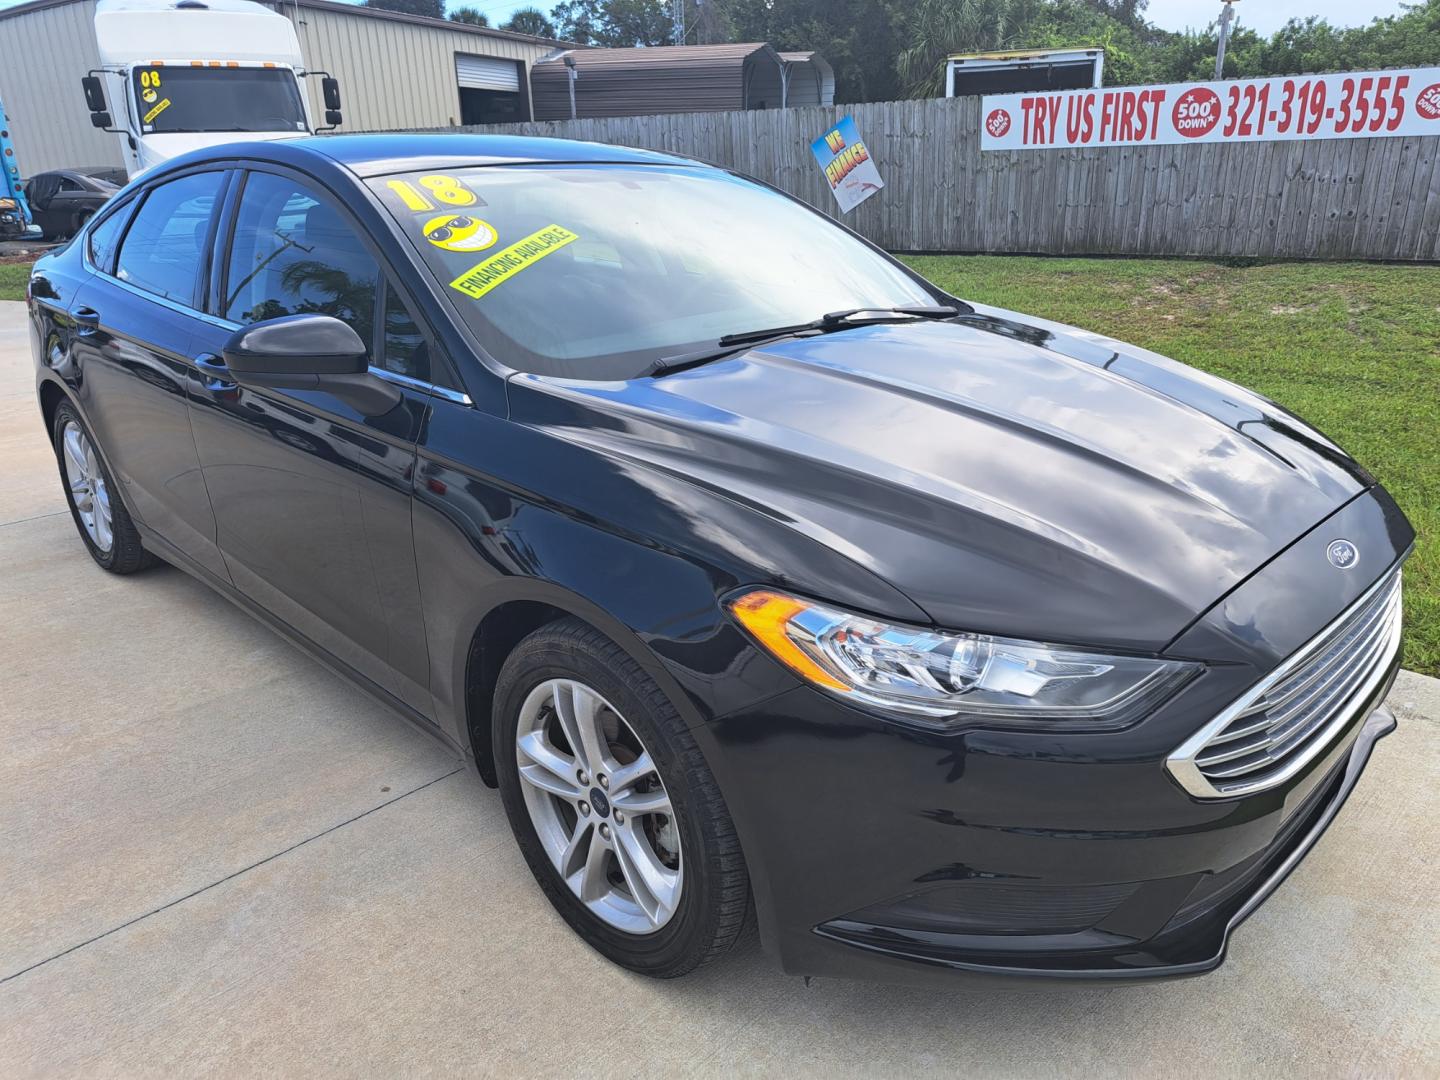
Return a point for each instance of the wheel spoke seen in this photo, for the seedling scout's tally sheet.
(75, 452)
(579, 710)
(549, 770)
(626, 775)
(572, 859)
(653, 886)
(103, 532)
(636, 803)
(594, 881)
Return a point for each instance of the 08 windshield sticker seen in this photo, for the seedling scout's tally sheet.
(150, 95)
(503, 265)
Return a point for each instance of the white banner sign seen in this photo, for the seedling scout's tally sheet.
(1355, 105)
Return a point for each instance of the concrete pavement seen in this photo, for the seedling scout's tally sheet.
(217, 858)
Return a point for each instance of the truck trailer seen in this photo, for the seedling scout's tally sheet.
(183, 74)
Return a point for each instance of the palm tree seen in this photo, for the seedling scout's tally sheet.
(530, 20)
(469, 15)
(939, 28)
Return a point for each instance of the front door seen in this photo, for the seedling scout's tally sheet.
(311, 498)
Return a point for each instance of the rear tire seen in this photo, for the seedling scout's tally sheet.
(100, 517)
(677, 837)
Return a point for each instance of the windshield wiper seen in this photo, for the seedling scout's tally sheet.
(826, 324)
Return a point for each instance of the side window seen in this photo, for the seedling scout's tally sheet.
(66, 184)
(405, 352)
(162, 248)
(104, 237)
(294, 254)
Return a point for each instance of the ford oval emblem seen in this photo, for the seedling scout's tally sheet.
(1342, 554)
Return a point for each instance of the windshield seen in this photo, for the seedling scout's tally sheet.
(596, 271)
(189, 99)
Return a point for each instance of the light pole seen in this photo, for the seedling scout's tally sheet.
(1227, 16)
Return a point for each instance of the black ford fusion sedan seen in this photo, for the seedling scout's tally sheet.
(766, 580)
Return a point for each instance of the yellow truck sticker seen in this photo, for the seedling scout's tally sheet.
(503, 265)
(156, 111)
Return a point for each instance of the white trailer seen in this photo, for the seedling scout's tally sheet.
(1018, 71)
(183, 74)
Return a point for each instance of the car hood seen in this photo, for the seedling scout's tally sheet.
(1009, 475)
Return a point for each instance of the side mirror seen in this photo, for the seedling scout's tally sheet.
(100, 119)
(330, 90)
(309, 352)
(332, 117)
(95, 95)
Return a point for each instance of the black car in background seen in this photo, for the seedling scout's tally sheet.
(766, 580)
(62, 201)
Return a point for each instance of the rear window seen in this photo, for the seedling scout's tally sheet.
(162, 249)
(594, 271)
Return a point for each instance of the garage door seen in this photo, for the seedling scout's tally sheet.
(487, 73)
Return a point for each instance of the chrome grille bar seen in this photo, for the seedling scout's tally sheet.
(1284, 721)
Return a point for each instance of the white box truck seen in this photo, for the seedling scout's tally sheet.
(190, 73)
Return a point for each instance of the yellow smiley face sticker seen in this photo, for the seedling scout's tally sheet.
(460, 232)
(148, 96)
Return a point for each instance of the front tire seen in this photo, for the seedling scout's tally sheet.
(100, 517)
(613, 805)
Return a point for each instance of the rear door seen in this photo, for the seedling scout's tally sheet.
(312, 499)
(136, 318)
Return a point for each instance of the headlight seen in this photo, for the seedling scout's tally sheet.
(952, 679)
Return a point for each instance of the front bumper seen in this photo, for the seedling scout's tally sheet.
(1191, 943)
(1023, 870)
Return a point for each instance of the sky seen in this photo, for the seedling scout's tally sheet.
(1264, 16)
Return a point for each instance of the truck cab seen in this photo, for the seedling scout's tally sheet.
(185, 74)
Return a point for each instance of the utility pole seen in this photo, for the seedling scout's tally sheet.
(1227, 16)
(678, 7)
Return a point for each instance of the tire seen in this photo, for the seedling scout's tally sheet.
(81, 219)
(713, 906)
(123, 553)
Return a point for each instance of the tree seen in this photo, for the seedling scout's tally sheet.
(860, 38)
(614, 24)
(470, 16)
(433, 9)
(941, 27)
(530, 20)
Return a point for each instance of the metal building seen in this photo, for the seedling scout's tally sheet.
(678, 79)
(396, 71)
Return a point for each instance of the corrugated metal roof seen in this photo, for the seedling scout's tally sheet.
(644, 81)
(348, 9)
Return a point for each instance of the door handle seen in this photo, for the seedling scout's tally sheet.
(214, 372)
(87, 319)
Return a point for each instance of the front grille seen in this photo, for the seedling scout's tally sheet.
(1290, 716)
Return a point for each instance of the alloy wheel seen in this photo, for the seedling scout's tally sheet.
(87, 486)
(598, 806)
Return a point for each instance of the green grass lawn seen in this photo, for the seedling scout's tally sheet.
(12, 280)
(1352, 348)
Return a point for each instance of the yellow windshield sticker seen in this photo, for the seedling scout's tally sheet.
(503, 265)
(447, 189)
(460, 232)
(157, 110)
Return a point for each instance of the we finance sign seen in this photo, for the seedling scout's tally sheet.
(1355, 105)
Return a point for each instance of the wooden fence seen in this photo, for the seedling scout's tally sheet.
(1313, 199)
